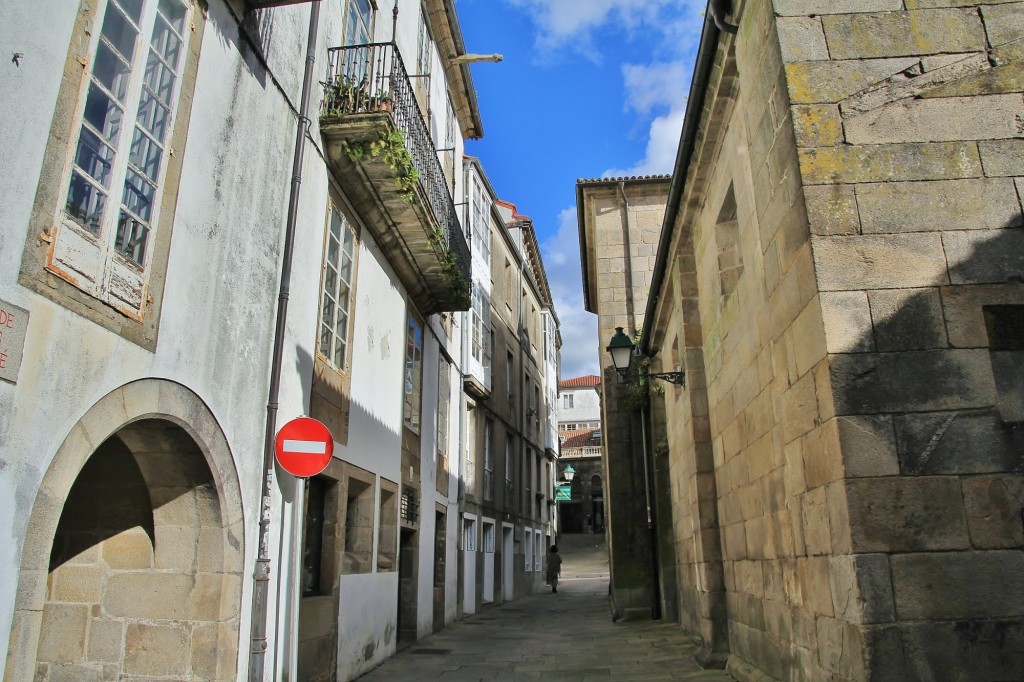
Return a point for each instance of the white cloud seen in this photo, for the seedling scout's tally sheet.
(656, 86)
(561, 253)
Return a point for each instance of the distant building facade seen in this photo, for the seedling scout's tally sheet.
(579, 432)
(511, 347)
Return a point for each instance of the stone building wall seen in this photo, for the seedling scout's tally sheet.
(844, 292)
(908, 118)
(620, 223)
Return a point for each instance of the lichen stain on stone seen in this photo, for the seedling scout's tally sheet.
(369, 650)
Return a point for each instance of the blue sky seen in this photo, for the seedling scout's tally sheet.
(588, 89)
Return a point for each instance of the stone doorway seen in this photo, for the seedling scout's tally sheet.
(133, 569)
(407, 560)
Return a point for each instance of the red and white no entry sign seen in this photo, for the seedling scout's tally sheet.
(304, 447)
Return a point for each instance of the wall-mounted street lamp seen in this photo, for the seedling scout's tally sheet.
(621, 350)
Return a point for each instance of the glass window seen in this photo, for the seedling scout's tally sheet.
(488, 460)
(444, 390)
(313, 579)
(481, 221)
(358, 22)
(119, 154)
(336, 290)
(413, 373)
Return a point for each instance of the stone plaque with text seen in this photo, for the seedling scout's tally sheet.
(13, 325)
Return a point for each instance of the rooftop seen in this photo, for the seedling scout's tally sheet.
(586, 381)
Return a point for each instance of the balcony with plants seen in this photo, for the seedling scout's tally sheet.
(379, 149)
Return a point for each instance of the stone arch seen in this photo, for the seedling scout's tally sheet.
(144, 581)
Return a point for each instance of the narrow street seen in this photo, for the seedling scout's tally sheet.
(563, 636)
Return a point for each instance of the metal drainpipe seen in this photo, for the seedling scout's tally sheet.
(630, 307)
(261, 574)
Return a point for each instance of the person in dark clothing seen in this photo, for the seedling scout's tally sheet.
(554, 567)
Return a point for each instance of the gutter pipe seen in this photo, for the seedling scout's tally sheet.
(261, 573)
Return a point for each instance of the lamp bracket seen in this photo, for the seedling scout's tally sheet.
(676, 378)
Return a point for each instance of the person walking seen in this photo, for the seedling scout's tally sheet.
(554, 567)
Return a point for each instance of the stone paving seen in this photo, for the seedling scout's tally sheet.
(565, 636)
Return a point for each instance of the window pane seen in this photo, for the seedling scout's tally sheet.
(328, 312)
(339, 354)
(131, 238)
(174, 11)
(332, 252)
(103, 114)
(85, 203)
(166, 42)
(132, 8)
(346, 269)
(120, 32)
(330, 279)
(138, 195)
(94, 156)
(335, 224)
(146, 155)
(325, 340)
(159, 78)
(153, 116)
(110, 70)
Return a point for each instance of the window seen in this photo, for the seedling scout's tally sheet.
(538, 555)
(336, 290)
(1005, 327)
(318, 536)
(489, 537)
(103, 242)
(528, 481)
(469, 476)
(358, 22)
(510, 374)
(359, 525)
(387, 533)
(510, 466)
(444, 392)
(567, 401)
(488, 460)
(727, 237)
(413, 373)
(469, 534)
(488, 350)
(481, 221)
(481, 325)
(528, 547)
(449, 144)
(423, 65)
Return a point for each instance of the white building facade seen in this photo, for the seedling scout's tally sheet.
(511, 348)
(145, 232)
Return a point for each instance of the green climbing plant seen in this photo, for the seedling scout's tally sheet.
(640, 388)
(389, 146)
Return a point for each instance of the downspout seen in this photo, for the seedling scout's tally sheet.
(652, 514)
(630, 307)
(719, 9)
(261, 574)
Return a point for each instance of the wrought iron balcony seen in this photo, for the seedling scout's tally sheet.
(379, 149)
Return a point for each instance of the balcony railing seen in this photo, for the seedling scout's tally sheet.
(370, 83)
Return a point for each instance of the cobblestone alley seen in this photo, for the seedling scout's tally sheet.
(565, 636)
